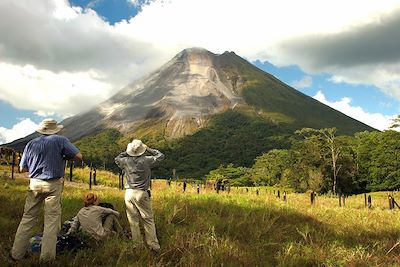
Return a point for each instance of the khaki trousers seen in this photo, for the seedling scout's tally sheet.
(40, 191)
(138, 206)
(111, 224)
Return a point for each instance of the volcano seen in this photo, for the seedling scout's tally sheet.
(183, 95)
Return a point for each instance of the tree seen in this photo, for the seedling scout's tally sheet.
(237, 176)
(378, 158)
(269, 167)
(329, 135)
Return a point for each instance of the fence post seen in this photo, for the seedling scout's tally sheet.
(12, 165)
(19, 162)
(344, 200)
(340, 200)
(94, 175)
(312, 197)
(365, 199)
(394, 203)
(90, 177)
(369, 202)
(279, 194)
(284, 196)
(71, 166)
(121, 180)
(390, 202)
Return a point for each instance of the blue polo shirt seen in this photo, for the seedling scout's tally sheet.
(44, 156)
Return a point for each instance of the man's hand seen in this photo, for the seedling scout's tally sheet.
(78, 156)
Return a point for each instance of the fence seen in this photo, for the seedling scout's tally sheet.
(12, 159)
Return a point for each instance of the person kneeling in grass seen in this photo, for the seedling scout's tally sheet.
(97, 221)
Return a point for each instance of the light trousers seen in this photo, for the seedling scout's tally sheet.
(138, 206)
(111, 224)
(40, 191)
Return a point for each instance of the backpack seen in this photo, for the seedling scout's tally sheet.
(72, 242)
(107, 205)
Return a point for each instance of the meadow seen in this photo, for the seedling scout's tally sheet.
(238, 228)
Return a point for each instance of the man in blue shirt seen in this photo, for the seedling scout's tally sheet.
(44, 157)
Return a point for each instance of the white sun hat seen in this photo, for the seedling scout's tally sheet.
(49, 126)
(136, 148)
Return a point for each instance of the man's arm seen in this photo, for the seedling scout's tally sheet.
(74, 225)
(23, 164)
(70, 151)
(107, 211)
(119, 159)
(156, 155)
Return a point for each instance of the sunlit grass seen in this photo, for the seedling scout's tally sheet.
(235, 229)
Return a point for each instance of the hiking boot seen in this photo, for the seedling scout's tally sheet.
(16, 262)
(155, 251)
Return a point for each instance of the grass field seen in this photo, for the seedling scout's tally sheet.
(235, 229)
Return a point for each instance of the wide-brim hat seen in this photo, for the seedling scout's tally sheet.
(136, 148)
(49, 126)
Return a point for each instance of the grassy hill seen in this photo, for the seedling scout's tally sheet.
(235, 229)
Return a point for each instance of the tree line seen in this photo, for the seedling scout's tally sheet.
(320, 160)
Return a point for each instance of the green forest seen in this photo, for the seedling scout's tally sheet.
(248, 151)
(321, 161)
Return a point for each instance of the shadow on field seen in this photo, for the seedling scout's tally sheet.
(234, 234)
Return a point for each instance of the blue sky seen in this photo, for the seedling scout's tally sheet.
(63, 57)
(112, 10)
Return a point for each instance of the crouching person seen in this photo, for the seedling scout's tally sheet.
(137, 168)
(97, 221)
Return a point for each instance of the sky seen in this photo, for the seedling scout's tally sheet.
(59, 58)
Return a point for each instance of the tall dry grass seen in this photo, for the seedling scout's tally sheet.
(235, 229)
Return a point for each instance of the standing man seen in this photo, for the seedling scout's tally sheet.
(44, 158)
(137, 168)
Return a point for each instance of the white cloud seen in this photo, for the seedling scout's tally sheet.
(26, 87)
(375, 120)
(305, 82)
(44, 114)
(387, 77)
(55, 57)
(24, 127)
